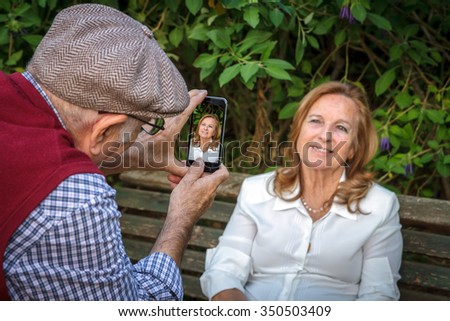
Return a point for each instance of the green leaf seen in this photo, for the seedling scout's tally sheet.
(403, 100)
(233, 4)
(265, 54)
(324, 26)
(385, 81)
(414, 56)
(339, 38)
(52, 4)
(306, 67)
(15, 57)
(436, 116)
(276, 16)
(205, 61)
(312, 41)
(33, 40)
(277, 73)
(433, 144)
(397, 130)
(5, 5)
(447, 159)
(249, 70)
(413, 114)
(410, 30)
(443, 169)
(251, 16)
(176, 36)
(220, 38)
(441, 133)
(253, 37)
(358, 12)
(426, 158)
(299, 51)
(228, 74)
(264, 48)
(199, 32)
(4, 36)
(21, 9)
(278, 63)
(309, 18)
(194, 6)
(380, 22)
(206, 72)
(211, 19)
(395, 52)
(436, 56)
(42, 3)
(288, 111)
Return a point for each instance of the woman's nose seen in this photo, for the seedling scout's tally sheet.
(326, 134)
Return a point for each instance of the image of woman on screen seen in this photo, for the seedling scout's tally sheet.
(205, 143)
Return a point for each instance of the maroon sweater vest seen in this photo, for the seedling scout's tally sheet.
(37, 154)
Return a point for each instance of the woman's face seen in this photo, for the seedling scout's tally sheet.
(207, 128)
(326, 136)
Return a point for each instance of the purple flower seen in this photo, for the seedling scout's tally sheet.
(346, 14)
(408, 169)
(385, 144)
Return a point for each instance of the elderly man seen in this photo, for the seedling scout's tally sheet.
(97, 77)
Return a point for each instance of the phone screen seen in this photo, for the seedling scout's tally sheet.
(206, 133)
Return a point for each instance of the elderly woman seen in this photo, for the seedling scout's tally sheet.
(321, 230)
(205, 143)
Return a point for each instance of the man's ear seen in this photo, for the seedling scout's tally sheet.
(104, 130)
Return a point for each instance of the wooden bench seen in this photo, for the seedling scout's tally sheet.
(143, 199)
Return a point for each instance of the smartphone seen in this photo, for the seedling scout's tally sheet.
(206, 132)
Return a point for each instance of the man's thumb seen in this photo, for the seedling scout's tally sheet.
(195, 171)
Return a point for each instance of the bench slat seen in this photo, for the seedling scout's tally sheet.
(426, 243)
(192, 263)
(157, 202)
(192, 289)
(407, 294)
(157, 181)
(426, 275)
(148, 228)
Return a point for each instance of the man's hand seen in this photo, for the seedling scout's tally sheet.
(230, 295)
(191, 197)
(157, 152)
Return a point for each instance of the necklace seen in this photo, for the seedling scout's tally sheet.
(309, 208)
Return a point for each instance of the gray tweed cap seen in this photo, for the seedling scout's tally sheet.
(99, 58)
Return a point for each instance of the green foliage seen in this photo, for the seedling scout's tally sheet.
(264, 55)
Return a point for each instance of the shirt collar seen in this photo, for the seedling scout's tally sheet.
(36, 85)
(339, 209)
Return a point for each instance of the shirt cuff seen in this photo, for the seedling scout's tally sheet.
(159, 278)
(226, 268)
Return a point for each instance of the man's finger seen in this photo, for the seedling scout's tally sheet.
(194, 172)
(174, 124)
(197, 97)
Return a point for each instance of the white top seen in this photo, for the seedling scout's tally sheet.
(210, 155)
(264, 249)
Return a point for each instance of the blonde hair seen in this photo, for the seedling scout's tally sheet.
(215, 139)
(364, 143)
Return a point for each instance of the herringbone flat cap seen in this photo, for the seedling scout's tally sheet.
(99, 58)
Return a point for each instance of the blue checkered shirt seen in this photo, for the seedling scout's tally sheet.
(70, 248)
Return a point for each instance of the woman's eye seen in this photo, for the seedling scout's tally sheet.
(342, 128)
(315, 121)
